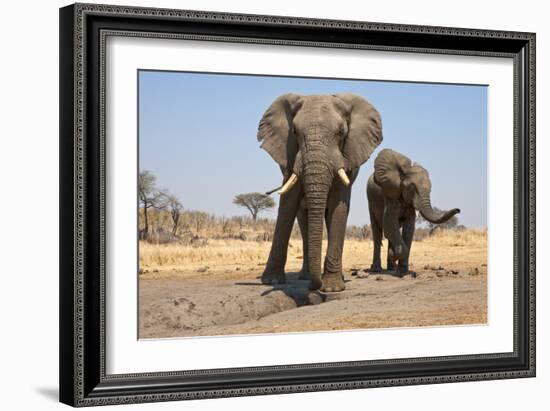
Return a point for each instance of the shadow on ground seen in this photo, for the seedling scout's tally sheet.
(294, 288)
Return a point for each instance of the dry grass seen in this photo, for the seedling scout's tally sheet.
(461, 250)
(453, 249)
(461, 238)
(216, 253)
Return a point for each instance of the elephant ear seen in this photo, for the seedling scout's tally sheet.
(276, 132)
(389, 169)
(365, 130)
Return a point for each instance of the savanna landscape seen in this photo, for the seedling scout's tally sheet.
(205, 280)
(359, 165)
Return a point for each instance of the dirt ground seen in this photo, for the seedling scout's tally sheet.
(224, 296)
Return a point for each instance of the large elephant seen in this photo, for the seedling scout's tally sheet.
(319, 141)
(395, 190)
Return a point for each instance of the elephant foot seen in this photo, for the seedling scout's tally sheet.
(333, 283)
(273, 278)
(402, 270)
(315, 283)
(375, 268)
(391, 266)
(304, 274)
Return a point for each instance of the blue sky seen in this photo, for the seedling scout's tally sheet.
(197, 134)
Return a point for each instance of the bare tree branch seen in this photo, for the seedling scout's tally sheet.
(149, 196)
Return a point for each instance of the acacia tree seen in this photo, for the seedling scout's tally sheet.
(254, 203)
(451, 223)
(149, 196)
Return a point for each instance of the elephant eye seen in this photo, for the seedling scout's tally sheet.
(343, 129)
(344, 126)
(407, 184)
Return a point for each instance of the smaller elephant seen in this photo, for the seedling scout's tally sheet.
(395, 190)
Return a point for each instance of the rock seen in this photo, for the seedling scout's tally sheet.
(315, 298)
(379, 278)
(454, 272)
(364, 274)
(238, 269)
(202, 269)
(433, 267)
(161, 236)
(473, 271)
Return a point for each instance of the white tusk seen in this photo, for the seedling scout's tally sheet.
(289, 184)
(343, 177)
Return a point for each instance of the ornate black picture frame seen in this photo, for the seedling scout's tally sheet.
(83, 30)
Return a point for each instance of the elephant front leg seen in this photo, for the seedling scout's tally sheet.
(390, 259)
(274, 272)
(408, 234)
(337, 216)
(376, 229)
(302, 222)
(397, 249)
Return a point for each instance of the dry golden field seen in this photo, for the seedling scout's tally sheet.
(215, 289)
(452, 249)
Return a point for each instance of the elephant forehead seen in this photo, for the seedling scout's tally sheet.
(316, 98)
(318, 113)
(320, 103)
(420, 176)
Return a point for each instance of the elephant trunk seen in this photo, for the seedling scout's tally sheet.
(424, 205)
(318, 176)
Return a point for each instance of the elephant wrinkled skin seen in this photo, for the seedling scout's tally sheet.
(319, 141)
(395, 190)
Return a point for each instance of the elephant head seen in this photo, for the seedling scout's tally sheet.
(315, 139)
(399, 178)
